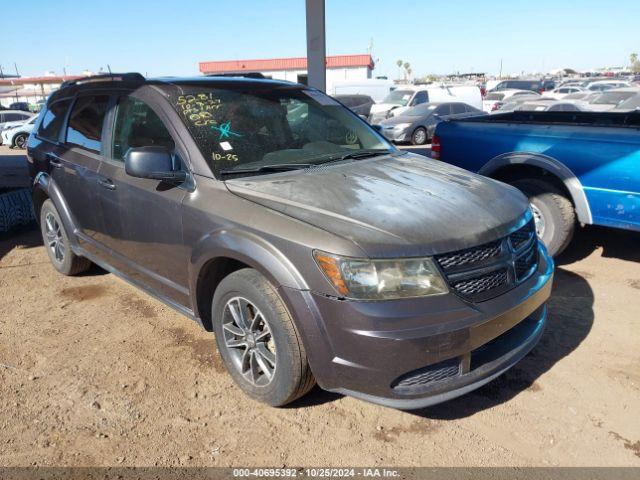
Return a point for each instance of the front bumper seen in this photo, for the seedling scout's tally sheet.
(396, 135)
(413, 353)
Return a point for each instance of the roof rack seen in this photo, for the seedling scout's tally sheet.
(109, 77)
(240, 74)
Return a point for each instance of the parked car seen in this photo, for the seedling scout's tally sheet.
(604, 85)
(631, 103)
(313, 248)
(23, 106)
(17, 136)
(514, 102)
(609, 99)
(548, 105)
(358, 104)
(578, 167)
(12, 118)
(561, 92)
(520, 84)
(417, 124)
(494, 100)
(376, 88)
(408, 96)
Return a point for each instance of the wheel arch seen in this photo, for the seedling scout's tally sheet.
(44, 188)
(517, 165)
(224, 252)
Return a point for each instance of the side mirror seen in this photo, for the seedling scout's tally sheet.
(155, 163)
(377, 128)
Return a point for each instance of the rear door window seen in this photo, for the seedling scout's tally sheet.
(137, 125)
(53, 119)
(458, 108)
(86, 121)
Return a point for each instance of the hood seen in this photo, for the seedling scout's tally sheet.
(406, 205)
(382, 107)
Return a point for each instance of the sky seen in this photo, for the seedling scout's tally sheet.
(170, 37)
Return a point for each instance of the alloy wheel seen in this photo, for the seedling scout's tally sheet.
(420, 136)
(55, 240)
(21, 140)
(249, 341)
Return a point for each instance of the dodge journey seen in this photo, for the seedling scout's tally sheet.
(279, 220)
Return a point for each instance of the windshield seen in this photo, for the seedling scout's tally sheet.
(248, 127)
(630, 103)
(398, 97)
(612, 98)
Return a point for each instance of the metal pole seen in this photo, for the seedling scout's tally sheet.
(316, 45)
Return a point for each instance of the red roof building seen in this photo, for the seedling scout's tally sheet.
(283, 64)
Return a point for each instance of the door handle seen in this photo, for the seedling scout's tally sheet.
(107, 183)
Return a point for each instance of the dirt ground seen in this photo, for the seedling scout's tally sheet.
(94, 372)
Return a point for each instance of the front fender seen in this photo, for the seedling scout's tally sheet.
(43, 182)
(247, 248)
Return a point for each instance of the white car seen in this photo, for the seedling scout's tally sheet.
(13, 118)
(603, 85)
(610, 99)
(18, 136)
(494, 100)
(407, 96)
(561, 92)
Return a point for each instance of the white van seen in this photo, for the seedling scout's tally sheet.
(407, 96)
(375, 88)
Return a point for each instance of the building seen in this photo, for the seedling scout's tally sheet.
(30, 89)
(339, 68)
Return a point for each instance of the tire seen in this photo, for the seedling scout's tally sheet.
(555, 215)
(56, 241)
(419, 136)
(20, 141)
(248, 291)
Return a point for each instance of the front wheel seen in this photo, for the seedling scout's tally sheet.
(553, 213)
(258, 341)
(56, 241)
(419, 136)
(20, 141)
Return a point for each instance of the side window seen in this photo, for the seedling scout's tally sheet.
(137, 125)
(443, 110)
(421, 97)
(86, 120)
(52, 120)
(458, 108)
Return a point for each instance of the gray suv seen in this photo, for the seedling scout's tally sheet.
(278, 219)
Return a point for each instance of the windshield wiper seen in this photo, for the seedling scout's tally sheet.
(282, 167)
(357, 155)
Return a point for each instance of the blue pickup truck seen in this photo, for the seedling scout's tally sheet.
(575, 167)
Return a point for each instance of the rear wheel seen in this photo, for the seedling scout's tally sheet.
(20, 141)
(56, 241)
(257, 340)
(419, 136)
(553, 213)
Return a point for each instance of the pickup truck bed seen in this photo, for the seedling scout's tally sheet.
(574, 166)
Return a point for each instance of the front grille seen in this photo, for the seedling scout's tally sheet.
(491, 269)
(425, 376)
(481, 284)
(470, 255)
(520, 237)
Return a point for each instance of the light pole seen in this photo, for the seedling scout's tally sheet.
(316, 45)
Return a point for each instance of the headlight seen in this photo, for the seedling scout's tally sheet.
(401, 126)
(365, 279)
